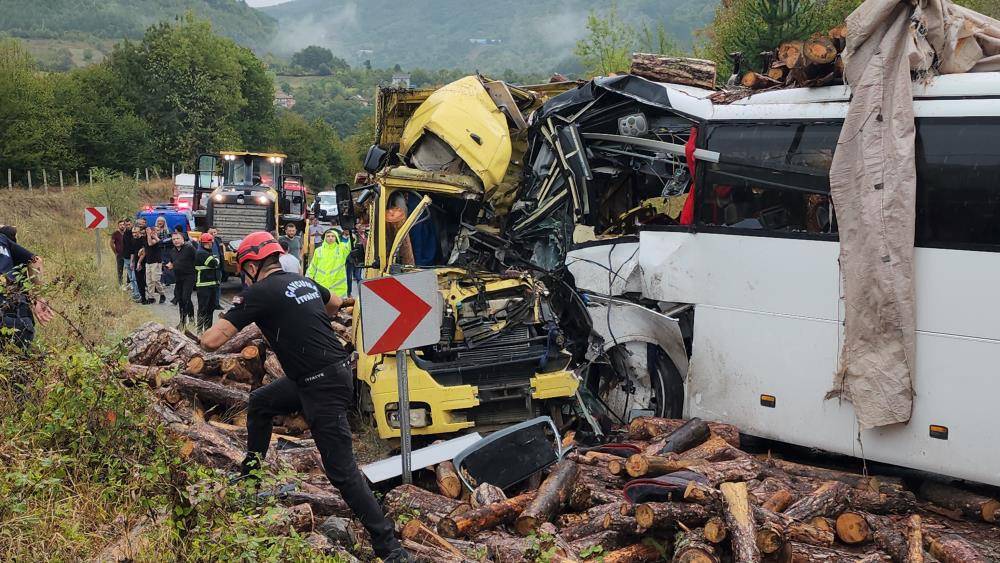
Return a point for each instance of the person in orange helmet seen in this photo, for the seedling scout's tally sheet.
(294, 314)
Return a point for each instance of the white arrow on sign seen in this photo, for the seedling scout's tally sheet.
(95, 217)
(400, 312)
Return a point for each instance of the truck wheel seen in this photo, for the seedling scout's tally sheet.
(640, 377)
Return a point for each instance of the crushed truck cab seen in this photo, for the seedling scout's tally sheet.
(502, 356)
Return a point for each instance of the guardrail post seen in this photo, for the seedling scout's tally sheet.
(29, 180)
(10, 179)
(77, 172)
(61, 187)
(45, 180)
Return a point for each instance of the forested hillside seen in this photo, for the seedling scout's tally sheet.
(523, 35)
(116, 19)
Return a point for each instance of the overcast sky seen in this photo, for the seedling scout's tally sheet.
(259, 3)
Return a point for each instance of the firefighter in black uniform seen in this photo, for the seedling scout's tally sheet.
(19, 268)
(294, 314)
(206, 281)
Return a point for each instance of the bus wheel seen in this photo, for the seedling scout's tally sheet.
(639, 377)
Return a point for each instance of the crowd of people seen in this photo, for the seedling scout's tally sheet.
(151, 259)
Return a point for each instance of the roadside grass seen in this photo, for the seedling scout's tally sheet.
(82, 461)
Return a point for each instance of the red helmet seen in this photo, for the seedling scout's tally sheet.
(206, 237)
(257, 246)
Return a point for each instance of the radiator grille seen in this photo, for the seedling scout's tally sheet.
(236, 221)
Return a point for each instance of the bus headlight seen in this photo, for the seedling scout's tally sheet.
(262, 200)
(219, 198)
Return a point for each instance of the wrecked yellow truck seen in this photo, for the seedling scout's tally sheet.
(441, 168)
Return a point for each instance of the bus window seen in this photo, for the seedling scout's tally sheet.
(958, 194)
(772, 177)
(743, 205)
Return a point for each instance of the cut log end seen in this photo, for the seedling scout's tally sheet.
(852, 528)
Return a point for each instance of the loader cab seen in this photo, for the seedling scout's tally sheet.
(255, 193)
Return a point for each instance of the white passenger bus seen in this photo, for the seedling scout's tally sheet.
(759, 269)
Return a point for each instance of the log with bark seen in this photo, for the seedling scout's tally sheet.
(323, 502)
(674, 70)
(819, 50)
(586, 494)
(665, 514)
(272, 366)
(486, 494)
(699, 493)
(715, 530)
(154, 344)
(552, 496)
(414, 502)
(204, 365)
(447, 479)
(487, 517)
(238, 368)
(636, 553)
(795, 552)
(417, 531)
(740, 522)
(743, 469)
(641, 465)
(898, 502)
(598, 474)
(249, 335)
(594, 522)
(970, 504)
(855, 480)
(756, 81)
(952, 548)
(689, 435)
(607, 540)
(689, 547)
(828, 499)
(207, 445)
(298, 517)
(621, 520)
(776, 529)
(154, 376)
(778, 501)
(914, 540)
(210, 391)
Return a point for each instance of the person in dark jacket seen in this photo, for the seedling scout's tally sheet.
(118, 247)
(181, 263)
(206, 281)
(19, 310)
(137, 258)
(218, 249)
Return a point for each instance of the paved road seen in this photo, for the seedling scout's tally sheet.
(170, 315)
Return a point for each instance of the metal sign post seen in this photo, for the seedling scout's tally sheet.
(405, 440)
(96, 218)
(399, 313)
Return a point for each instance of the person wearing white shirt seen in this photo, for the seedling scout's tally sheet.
(289, 262)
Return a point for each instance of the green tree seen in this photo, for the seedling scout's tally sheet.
(35, 131)
(607, 47)
(314, 146)
(751, 27)
(658, 41)
(201, 91)
(318, 60)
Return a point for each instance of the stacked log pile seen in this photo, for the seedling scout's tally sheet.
(724, 505)
(812, 62)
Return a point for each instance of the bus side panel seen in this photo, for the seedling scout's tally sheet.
(739, 355)
(773, 275)
(958, 292)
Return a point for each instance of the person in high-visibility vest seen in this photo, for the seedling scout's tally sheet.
(328, 266)
(206, 270)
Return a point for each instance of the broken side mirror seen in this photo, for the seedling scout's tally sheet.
(374, 159)
(511, 455)
(345, 208)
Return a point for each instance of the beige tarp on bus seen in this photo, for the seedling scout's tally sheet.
(873, 184)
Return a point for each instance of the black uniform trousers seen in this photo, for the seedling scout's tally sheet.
(323, 401)
(208, 302)
(183, 287)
